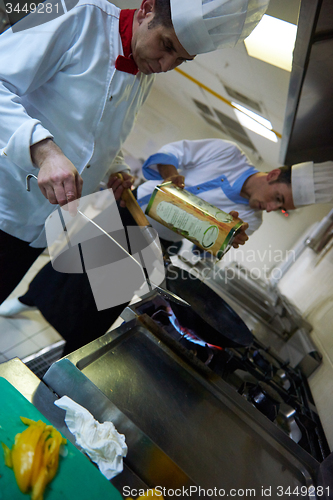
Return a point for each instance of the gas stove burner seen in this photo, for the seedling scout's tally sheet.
(270, 367)
(204, 353)
(265, 398)
(188, 333)
(263, 360)
(186, 337)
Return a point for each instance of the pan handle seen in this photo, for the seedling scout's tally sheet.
(27, 180)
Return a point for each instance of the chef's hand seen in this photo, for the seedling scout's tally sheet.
(240, 238)
(118, 185)
(170, 173)
(178, 180)
(58, 179)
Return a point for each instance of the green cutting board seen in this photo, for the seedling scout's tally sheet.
(77, 478)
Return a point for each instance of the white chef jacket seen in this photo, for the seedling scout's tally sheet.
(60, 80)
(214, 169)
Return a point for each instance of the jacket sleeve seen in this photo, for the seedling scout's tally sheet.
(170, 154)
(29, 58)
(118, 165)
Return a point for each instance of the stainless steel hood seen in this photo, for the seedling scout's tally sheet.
(308, 128)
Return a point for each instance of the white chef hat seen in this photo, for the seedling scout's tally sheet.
(205, 25)
(312, 183)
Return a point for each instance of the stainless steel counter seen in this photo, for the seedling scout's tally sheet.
(183, 427)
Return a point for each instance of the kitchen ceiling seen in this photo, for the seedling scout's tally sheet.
(237, 77)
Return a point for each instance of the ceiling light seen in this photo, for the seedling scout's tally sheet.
(273, 41)
(254, 122)
(266, 123)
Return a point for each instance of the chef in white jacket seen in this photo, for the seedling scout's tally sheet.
(213, 169)
(219, 172)
(70, 90)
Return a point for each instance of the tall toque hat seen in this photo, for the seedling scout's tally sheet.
(206, 25)
(312, 183)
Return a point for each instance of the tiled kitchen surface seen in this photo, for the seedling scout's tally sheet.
(28, 332)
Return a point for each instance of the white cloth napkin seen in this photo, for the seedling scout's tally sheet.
(101, 442)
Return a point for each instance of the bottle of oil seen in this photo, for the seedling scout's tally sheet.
(195, 219)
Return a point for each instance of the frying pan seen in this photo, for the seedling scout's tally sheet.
(209, 316)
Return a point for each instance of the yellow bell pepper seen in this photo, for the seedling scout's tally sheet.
(52, 441)
(34, 456)
(23, 454)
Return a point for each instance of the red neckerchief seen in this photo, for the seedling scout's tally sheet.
(126, 62)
